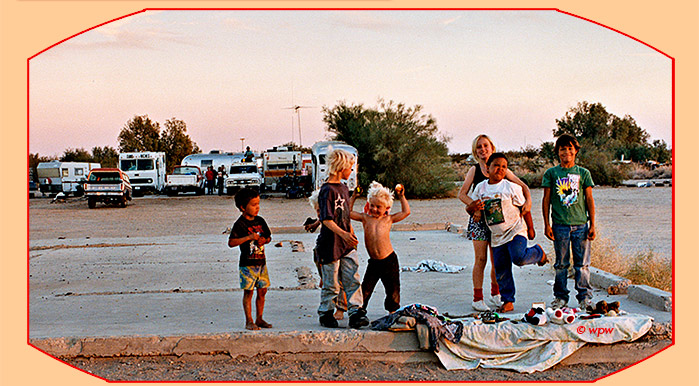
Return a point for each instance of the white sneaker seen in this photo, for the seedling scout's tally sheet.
(558, 303)
(480, 306)
(496, 301)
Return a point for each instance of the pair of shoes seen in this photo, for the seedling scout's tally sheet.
(480, 306)
(585, 304)
(327, 319)
(506, 307)
(358, 319)
(558, 303)
(544, 259)
(496, 300)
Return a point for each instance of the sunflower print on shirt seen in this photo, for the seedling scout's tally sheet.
(568, 189)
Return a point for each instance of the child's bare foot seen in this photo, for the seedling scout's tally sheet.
(251, 326)
(339, 314)
(262, 324)
(543, 260)
(506, 307)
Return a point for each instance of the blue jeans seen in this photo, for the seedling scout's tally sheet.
(514, 252)
(343, 271)
(567, 238)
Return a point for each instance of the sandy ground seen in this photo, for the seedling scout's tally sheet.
(636, 219)
(326, 368)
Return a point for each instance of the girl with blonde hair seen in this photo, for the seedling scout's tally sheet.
(477, 231)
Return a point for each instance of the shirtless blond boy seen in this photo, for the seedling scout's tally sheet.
(383, 262)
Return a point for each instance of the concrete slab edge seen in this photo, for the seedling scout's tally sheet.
(235, 344)
(373, 345)
(652, 297)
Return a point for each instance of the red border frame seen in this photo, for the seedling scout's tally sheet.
(373, 9)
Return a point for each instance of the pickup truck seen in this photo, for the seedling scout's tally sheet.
(243, 175)
(184, 178)
(107, 185)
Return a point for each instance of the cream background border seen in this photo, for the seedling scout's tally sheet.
(27, 27)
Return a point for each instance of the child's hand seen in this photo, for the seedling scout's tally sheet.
(357, 192)
(548, 232)
(531, 233)
(475, 206)
(255, 236)
(350, 239)
(591, 233)
(399, 189)
(477, 216)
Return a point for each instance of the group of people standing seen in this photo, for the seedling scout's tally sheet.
(215, 179)
(499, 205)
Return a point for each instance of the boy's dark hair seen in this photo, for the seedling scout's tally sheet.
(495, 156)
(566, 140)
(243, 197)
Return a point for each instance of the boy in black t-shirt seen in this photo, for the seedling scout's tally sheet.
(251, 233)
(337, 245)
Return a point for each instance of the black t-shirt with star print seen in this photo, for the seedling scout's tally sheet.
(333, 202)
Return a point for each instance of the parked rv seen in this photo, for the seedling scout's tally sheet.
(319, 153)
(243, 175)
(214, 158)
(184, 178)
(279, 162)
(107, 185)
(146, 170)
(66, 177)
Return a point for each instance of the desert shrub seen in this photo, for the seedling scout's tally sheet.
(641, 268)
(663, 172)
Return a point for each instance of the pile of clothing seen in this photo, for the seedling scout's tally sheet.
(426, 320)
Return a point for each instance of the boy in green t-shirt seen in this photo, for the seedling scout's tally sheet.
(572, 211)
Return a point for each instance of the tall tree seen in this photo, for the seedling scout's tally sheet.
(396, 144)
(76, 155)
(587, 122)
(140, 134)
(176, 143)
(106, 156)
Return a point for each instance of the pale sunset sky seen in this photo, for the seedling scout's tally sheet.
(232, 74)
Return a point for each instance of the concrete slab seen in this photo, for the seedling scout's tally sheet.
(140, 292)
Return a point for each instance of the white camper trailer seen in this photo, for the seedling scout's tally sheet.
(279, 162)
(66, 177)
(319, 153)
(146, 171)
(214, 158)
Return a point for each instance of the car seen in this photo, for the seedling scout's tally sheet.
(33, 189)
(184, 178)
(243, 175)
(107, 185)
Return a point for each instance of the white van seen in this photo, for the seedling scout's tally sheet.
(146, 171)
(319, 153)
(66, 177)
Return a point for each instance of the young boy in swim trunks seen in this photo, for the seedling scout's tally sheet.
(383, 262)
(250, 232)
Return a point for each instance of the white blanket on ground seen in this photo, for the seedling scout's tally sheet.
(527, 348)
(434, 266)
